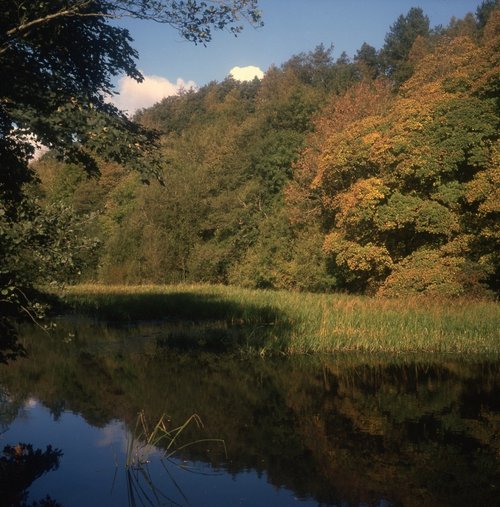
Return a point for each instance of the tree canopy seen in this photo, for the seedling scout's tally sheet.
(398, 182)
(327, 174)
(399, 41)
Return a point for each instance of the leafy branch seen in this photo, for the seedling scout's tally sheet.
(191, 18)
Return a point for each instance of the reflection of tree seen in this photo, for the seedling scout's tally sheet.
(8, 410)
(10, 348)
(404, 433)
(353, 429)
(20, 465)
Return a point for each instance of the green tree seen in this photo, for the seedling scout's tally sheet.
(484, 11)
(367, 59)
(230, 148)
(399, 41)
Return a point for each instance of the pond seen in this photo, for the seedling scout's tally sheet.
(341, 430)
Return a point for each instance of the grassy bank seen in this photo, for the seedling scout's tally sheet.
(229, 318)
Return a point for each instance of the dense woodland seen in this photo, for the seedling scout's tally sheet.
(377, 174)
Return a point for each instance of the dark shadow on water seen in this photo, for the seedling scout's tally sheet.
(207, 340)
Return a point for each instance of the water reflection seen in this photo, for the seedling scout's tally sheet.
(343, 431)
(10, 348)
(20, 466)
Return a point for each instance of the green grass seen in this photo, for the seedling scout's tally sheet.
(229, 318)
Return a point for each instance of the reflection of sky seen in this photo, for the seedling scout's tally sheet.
(92, 471)
(86, 469)
(30, 403)
(112, 434)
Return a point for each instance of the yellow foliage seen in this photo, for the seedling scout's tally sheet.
(485, 187)
(359, 202)
(425, 272)
(346, 153)
(371, 137)
(488, 71)
(452, 59)
(431, 145)
(371, 259)
(459, 246)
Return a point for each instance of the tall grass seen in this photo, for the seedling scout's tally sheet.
(263, 321)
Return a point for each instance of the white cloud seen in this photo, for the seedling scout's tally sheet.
(134, 95)
(246, 73)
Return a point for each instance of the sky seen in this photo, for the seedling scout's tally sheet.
(170, 63)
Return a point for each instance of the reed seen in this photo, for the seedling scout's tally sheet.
(264, 321)
(146, 439)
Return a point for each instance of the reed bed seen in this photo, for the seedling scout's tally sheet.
(264, 321)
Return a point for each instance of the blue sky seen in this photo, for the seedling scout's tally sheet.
(291, 27)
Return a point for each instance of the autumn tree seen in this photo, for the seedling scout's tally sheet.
(407, 192)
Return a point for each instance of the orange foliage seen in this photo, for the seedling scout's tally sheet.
(392, 172)
(488, 67)
(358, 205)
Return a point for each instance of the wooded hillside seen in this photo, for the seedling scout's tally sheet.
(377, 174)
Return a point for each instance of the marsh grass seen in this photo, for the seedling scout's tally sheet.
(228, 318)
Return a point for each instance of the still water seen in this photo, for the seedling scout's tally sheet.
(344, 430)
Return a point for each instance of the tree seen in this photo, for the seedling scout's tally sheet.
(406, 187)
(193, 19)
(368, 60)
(483, 12)
(398, 43)
(59, 58)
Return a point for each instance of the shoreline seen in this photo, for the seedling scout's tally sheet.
(268, 322)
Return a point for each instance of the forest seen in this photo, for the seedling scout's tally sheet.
(377, 174)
